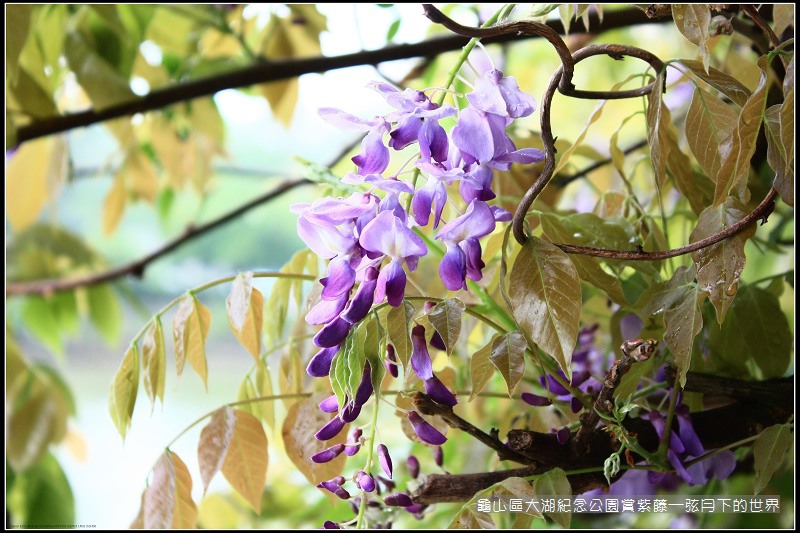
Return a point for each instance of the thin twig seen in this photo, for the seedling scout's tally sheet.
(137, 267)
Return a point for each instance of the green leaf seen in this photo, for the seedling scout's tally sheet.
(245, 306)
(779, 125)
(36, 417)
(255, 388)
(40, 319)
(682, 323)
(738, 149)
(545, 294)
(470, 518)
(105, 312)
(445, 317)
(724, 83)
(373, 348)
(769, 451)
(105, 85)
(508, 355)
(392, 31)
(124, 389)
(168, 500)
(588, 268)
(692, 21)
(29, 98)
(481, 368)
(189, 331)
(347, 367)
(41, 496)
(554, 483)
(755, 329)
(398, 327)
(18, 19)
(709, 121)
(154, 362)
(517, 487)
(659, 297)
(719, 266)
(658, 128)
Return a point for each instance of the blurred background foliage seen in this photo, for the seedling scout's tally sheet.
(83, 201)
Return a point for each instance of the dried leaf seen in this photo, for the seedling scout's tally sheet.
(769, 451)
(545, 294)
(481, 369)
(692, 21)
(168, 499)
(142, 175)
(738, 149)
(783, 15)
(189, 331)
(124, 389)
(470, 518)
(516, 487)
(245, 306)
(508, 355)
(445, 317)
(709, 121)
(725, 83)
(398, 327)
(720, 265)
(302, 421)
(154, 362)
(214, 441)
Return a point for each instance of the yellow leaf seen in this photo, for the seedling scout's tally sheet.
(245, 306)
(481, 369)
(36, 417)
(31, 176)
(124, 389)
(282, 98)
(302, 421)
(114, 205)
(143, 178)
(154, 362)
(189, 330)
(246, 458)
(168, 500)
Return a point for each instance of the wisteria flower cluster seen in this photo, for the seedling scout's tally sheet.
(370, 239)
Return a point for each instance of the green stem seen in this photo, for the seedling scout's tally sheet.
(234, 404)
(673, 402)
(370, 457)
(214, 283)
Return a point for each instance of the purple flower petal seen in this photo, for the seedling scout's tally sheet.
(398, 500)
(324, 239)
(453, 268)
(413, 466)
(332, 334)
(385, 459)
(362, 301)
(365, 481)
(438, 456)
(425, 431)
(391, 361)
(501, 95)
(330, 524)
(330, 430)
(374, 156)
(562, 435)
(389, 235)
(676, 463)
(472, 252)
(353, 442)
(340, 279)
(326, 310)
(535, 400)
(438, 342)
(365, 389)
(691, 442)
(328, 454)
(320, 365)
(438, 392)
(329, 404)
(660, 425)
(420, 358)
(720, 466)
(350, 412)
(391, 284)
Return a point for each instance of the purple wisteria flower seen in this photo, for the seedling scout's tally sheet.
(425, 431)
(461, 235)
(385, 459)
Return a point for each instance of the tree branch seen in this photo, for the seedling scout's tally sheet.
(267, 71)
(137, 268)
